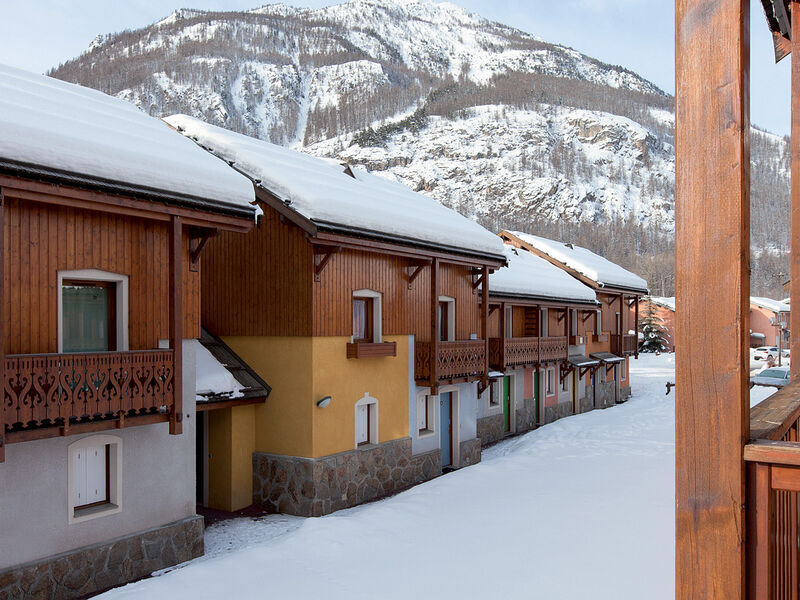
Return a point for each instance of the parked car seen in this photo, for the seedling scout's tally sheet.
(769, 352)
(774, 376)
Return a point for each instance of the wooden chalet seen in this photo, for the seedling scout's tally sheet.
(611, 336)
(104, 212)
(536, 355)
(357, 299)
(737, 467)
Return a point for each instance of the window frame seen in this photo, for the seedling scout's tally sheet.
(113, 503)
(371, 405)
(544, 322)
(426, 404)
(509, 332)
(550, 381)
(598, 322)
(375, 318)
(451, 318)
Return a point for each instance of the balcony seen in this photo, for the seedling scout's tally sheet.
(50, 394)
(455, 361)
(624, 345)
(510, 353)
(553, 349)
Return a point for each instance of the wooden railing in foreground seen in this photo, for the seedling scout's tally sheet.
(459, 360)
(773, 497)
(43, 392)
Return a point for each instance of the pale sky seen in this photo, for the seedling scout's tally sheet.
(637, 34)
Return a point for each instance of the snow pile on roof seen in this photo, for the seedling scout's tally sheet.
(212, 378)
(56, 125)
(770, 304)
(665, 301)
(325, 193)
(530, 275)
(586, 262)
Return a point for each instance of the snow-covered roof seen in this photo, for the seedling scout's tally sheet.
(221, 374)
(337, 198)
(665, 301)
(60, 128)
(531, 275)
(212, 379)
(770, 304)
(592, 266)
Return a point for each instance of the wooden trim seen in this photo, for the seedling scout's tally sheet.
(326, 254)
(712, 288)
(218, 404)
(3, 318)
(197, 245)
(760, 519)
(485, 329)
(371, 350)
(41, 433)
(773, 452)
(417, 270)
(636, 328)
(269, 200)
(434, 358)
(176, 321)
(49, 193)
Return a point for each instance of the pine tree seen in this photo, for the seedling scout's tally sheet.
(655, 337)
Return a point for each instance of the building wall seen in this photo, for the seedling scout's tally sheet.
(759, 323)
(231, 443)
(158, 486)
(465, 414)
(42, 240)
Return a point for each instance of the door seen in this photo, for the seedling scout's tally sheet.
(444, 320)
(445, 419)
(506, 403)
(536, 395)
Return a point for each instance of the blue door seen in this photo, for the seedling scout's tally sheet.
(445, 428)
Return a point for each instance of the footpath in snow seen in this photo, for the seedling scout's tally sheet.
(581, 508)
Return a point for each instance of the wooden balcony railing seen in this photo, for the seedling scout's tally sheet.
(624, 345)
(553, 349)
(44, 390)
(460, 360)
(510, 353)
(773, 497)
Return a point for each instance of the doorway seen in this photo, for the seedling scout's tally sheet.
(537, 415)
(201, 462)
(506, 404)
(446, 427)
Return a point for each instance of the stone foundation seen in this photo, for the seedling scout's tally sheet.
(93, 569)
(490, 429)
(559, 411)
(526, 416)
(625, 392)
(314, 487)
(470, 452)
(586, 404)
(604, 394)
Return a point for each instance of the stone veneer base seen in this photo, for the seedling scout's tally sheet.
(98, 567)
(470, 452)
(490, 429)
(319, 486)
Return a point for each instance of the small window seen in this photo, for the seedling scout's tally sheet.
(88, 314)
(95, 478)
(447, 322)
(90, 483)
(598, 322)
(426, 414)
(565, 383)
(366, 421)
(551, 381)
(509, 322)
(362, 319)
(545, 323)
(574, 322)
(494, 394)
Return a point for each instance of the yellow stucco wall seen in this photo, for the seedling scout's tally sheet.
(283, 422)
(346, 381)
(231, 442)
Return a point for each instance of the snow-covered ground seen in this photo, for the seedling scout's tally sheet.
(581, 508)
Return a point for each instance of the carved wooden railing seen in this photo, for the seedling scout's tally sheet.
(552, 349)
(773, 497)
(513, 352)
(455, 360)
(623, 345)
(62, 389)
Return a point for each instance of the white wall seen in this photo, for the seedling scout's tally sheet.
(158, 485)
(466, 412)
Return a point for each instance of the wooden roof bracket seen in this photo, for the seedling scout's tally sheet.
(566, 370)
(587, 314)
(326, 254)
(632, 301)
(562, 313)
(476, 281)
(582, 371)
(417, 265)
(197, 243)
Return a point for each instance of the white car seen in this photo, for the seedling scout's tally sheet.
(774, 376)
(769, 352)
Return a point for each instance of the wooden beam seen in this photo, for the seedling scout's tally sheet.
(587, 314)
(485, 329)
(712, 209)
(760, 519)
(417, 265)
(502, 319)
(794, 259)
(176, 321)
(326, 254)
(198, 245)
(636, 326)
(434, 364)
(3, 317)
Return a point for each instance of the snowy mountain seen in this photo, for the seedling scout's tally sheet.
(488, 119)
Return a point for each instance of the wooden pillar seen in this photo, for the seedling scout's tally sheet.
(485, 325)
(434, 365)
(3, 318)
(712, 209)
(176, 321)
(794, 290)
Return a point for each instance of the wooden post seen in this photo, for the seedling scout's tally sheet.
(176, 321)
(712, 209)
(636, 327)
(3, 318)
(434, 369)
(760, 518)
(485, 326)
(794, 285)
(502, 333)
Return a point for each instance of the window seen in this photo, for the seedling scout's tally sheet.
(366, 316)
(545, 323)
(447, 319)
(494, 394)
(362, 319)
(551, 381)
(619, 323)
(509, 322)
(366, 421)
(426, 414)
(598, 322)
(89, 322)
(573, 323)
(565, 384)
(94, 476)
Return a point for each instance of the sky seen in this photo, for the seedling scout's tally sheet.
(637, 34)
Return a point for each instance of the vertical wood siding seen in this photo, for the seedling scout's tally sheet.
(41, 240)
(259, 283)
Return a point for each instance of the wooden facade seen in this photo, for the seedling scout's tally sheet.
(47, 229)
